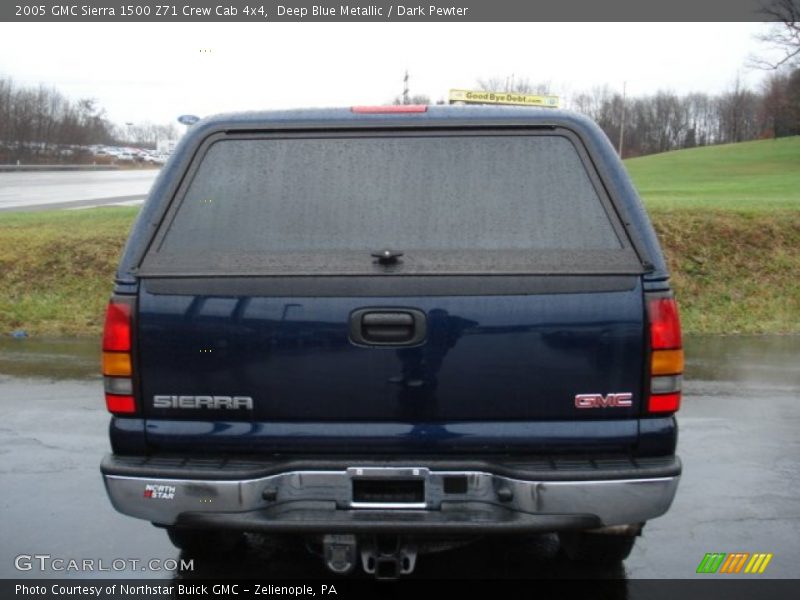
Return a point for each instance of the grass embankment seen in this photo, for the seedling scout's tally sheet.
(734, 272)
(728, 218)
(57, 268)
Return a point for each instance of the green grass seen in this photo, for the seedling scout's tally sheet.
(734, 272)
(746, 177)
(57, 268)
(728, 218)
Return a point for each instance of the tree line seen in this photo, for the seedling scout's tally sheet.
(667, 121)
(40, 122)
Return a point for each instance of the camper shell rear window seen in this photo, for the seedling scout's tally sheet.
(517, 201)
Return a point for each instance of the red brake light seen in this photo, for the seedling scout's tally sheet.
(398, 108)
(117, 331)
(665, 326)
(664, 403)
(120, 404)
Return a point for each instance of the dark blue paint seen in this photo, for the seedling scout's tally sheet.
(127, 435)
(551, 437)
(657, 436)
(485, 358)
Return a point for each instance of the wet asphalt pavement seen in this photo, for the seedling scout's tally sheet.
(73, 189)
(739, 442)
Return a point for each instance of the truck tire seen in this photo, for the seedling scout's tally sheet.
(204, 542)
(596, 548)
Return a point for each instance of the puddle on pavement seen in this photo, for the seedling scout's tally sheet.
(767, 359)
(66, 358)
(770, 359)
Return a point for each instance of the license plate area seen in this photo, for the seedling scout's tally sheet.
(388, 488)
(388, 491)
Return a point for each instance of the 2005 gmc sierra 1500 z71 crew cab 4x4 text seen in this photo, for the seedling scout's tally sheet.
(389, 329)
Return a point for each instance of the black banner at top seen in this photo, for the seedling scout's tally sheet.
(396, 12)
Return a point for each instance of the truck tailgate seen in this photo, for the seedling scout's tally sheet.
(496, 357)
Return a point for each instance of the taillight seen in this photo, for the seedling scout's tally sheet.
(666, 357)
(117, 364)
(117, 331)
(120, 405)
(398, 108)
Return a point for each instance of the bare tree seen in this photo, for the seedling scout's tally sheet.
(775, 109)
(145, 135)
(792, 113)
(703, 120)
(665, 121)
(738, 111)
(407, 97)
(6, 92)
(41, 123)
(783, 37)
(412, 99)
(513, 85)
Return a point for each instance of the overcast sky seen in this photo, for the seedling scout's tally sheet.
(156, 72)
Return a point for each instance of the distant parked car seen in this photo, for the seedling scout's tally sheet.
(154, 158)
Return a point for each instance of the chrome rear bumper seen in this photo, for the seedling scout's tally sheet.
(426, 499)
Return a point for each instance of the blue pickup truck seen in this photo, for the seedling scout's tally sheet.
(385, 329)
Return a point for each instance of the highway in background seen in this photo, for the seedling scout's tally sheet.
(73, 189)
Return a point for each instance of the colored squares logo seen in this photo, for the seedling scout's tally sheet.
(736, 562)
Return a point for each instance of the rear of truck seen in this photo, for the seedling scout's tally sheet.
(378, 328)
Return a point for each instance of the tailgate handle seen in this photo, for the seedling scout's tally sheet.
(395, 327)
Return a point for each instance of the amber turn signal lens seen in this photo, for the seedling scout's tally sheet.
(666, 362)
(117, 364)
